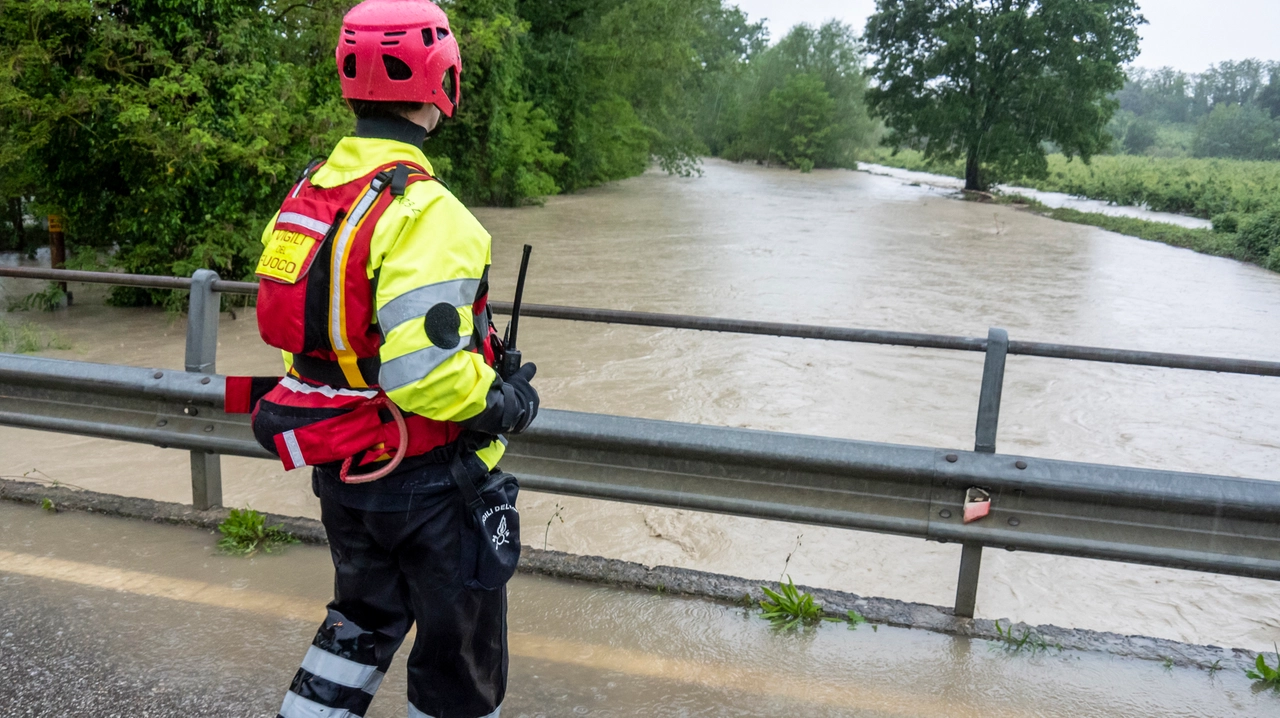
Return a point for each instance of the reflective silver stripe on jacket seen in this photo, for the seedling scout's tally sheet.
(330, 392)
(415, 713)
(413, 366)
(303, 220)
(295, 706)
(335, 270)
(343, 671)
(414, 303)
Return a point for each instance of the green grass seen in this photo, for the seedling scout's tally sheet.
(789, 607)
(1264, 674)
(245, 532)
(1027, 640)
(27, 338)
(1242, 191)
(50, 298)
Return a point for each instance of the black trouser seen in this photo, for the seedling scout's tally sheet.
(393, 569)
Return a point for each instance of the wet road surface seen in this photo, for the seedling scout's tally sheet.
(112, 617)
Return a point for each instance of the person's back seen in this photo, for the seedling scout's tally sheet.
(374, 284)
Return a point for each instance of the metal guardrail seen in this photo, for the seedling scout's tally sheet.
(1200, 522)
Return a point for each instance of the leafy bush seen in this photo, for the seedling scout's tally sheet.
(245, 532)
(1260, 233)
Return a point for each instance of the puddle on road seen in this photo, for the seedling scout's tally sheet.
(577, 649)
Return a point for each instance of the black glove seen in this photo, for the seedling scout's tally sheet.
(510, 406)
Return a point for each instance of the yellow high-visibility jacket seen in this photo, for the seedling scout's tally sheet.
(426, 249)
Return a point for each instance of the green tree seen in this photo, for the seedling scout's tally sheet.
(990, 81)
(1241, 132)
(801, 103)
(165, 129)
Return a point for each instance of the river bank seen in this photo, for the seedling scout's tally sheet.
(1224, 208)
(843, 249)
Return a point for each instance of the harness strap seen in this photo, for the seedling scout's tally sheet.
(328, 371)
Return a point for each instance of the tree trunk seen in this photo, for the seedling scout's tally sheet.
(973, 173)
(19, 226)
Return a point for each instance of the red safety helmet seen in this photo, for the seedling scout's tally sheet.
(399, 51)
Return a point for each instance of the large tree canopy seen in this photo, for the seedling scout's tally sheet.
(991, 81)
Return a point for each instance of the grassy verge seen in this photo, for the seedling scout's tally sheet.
(27, 338)
(1244, 237)
(1205, 241)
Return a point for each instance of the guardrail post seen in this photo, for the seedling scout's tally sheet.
(984, 443)
(202, 352)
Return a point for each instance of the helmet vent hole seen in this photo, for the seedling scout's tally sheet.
(349, 66)
(390, 42)
(396, 33)
(349, 32)
(442, 33)
(428, 37)
(449, 82)
(396, 68)
(349, 41)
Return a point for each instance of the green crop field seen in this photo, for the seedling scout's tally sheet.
(1241, 197)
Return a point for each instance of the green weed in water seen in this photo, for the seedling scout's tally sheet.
(856, 619)
(1265, 674)
(245, 532)
(789, 607)
(26, 338)
(50, 298)
(1028, 640)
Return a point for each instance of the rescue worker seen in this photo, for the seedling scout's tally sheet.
(374, 283)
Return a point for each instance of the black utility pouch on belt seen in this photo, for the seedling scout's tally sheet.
(491, 543)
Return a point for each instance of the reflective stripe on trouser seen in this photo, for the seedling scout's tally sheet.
(390, 568)
(339, 674)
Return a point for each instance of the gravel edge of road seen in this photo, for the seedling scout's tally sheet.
(686, 582)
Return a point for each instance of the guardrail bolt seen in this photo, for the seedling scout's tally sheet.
(1013, 521)
(952, 458)
(205, 380)
(1020, 464)
(162, 422)
(945, 514)
(158, 375)
(209, 427)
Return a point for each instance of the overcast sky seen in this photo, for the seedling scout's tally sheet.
(1187, 34)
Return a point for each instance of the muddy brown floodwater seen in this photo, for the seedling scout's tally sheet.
(836, 248)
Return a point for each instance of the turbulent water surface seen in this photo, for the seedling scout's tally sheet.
(835, 248)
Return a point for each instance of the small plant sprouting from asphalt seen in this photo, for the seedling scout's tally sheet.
(1168, 664)
(546, 534)
(245, 532)
(47, 504)
(789, 607)
(1028, 640)
(856, 619)
(1264, 673)
(1213, 669)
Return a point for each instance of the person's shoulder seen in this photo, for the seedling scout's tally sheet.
(433, 199)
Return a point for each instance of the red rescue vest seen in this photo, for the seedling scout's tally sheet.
(316, 302)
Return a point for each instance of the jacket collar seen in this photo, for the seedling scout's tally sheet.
(391, 128)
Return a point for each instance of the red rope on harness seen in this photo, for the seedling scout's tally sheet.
(401, 450)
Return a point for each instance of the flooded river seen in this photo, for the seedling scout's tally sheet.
(836, 248)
